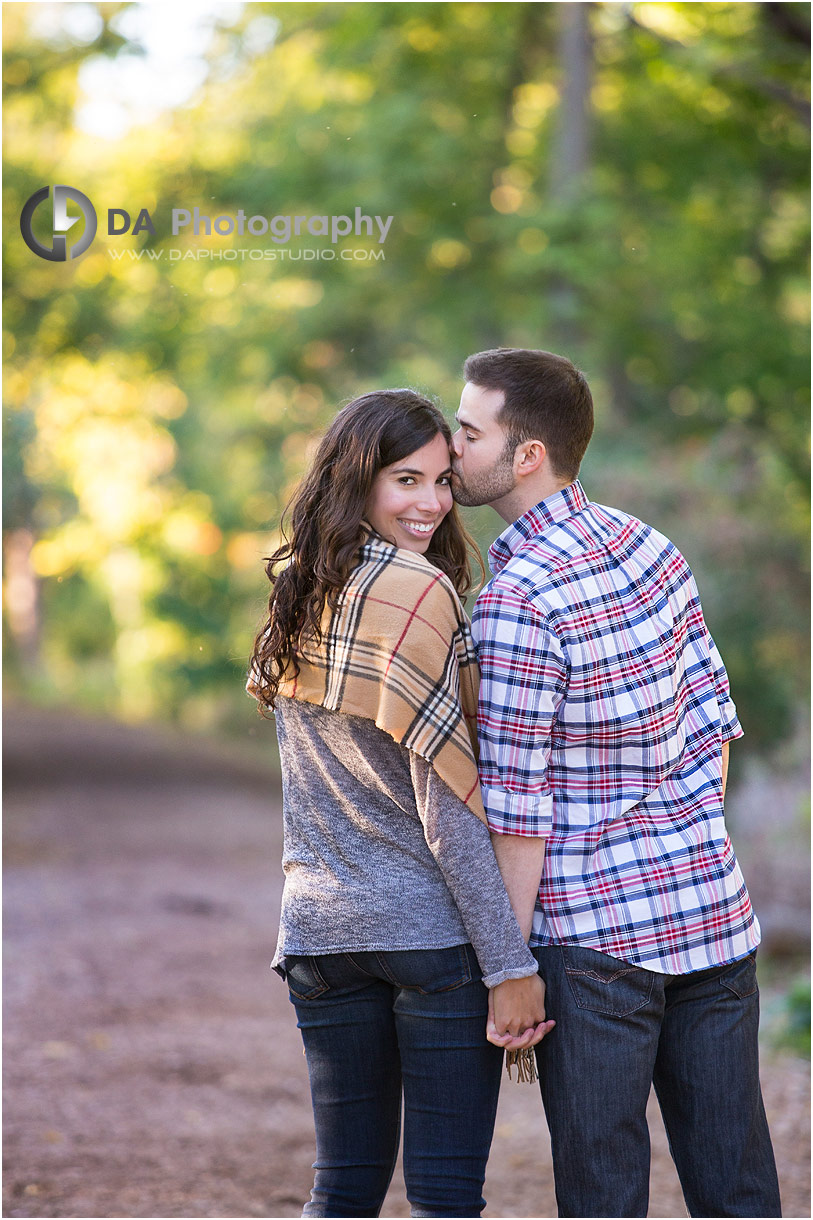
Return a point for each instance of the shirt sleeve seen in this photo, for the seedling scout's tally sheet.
(523, 677)
(731, 727)
(461, 845)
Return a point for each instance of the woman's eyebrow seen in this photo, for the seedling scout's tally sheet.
(414, 470)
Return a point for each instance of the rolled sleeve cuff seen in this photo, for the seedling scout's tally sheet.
(513, 813)
(731, 727)
(522, 972)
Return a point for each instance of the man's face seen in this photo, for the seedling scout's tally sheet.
(482, 463)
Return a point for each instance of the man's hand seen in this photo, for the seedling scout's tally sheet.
(516, 1013)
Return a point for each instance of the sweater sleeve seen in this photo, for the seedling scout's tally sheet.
(461, 845)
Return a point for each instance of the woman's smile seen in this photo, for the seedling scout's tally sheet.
(411, 497)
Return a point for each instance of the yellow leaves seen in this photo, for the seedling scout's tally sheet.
(506, 198)
(520, 143)
(292, 293)
(246, 551)
(785, 228)
(187, 534)
(746, 271)
(703, 206)
(76, 544)
(511, 192)
(607, 94)
(284, 395)
(532, 102)
(261, 508)
(165, 398)
(448, 254)
(320, 355)
(667, 19)
(422, 37)
(357, 87)
(92, 269)
(794, 304)
(691, 326)
(715, 102)
(740, 402)
(98, 430)
(533, 241)
(220, 282)
(219, 147)
(16, 73)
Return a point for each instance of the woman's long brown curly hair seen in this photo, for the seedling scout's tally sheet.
(326, 530)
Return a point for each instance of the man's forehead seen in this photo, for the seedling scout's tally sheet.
(479, 405)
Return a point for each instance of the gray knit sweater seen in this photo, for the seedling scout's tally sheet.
(380, 854)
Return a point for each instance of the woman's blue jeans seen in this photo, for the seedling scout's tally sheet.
(619, 1029)
(375, 1024)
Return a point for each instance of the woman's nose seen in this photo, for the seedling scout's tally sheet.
(428, 499)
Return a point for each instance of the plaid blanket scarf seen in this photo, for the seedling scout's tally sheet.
(397, 650)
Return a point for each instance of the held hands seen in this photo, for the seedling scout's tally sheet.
(516, 1013)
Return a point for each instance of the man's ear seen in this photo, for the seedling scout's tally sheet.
(528, 457)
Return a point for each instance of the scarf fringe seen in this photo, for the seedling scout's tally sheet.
(525, 1063)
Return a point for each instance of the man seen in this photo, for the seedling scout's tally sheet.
(604, 723)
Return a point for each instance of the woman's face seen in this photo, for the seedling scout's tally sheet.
(410, 498)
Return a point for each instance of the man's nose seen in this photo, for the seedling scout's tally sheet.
(457, 448)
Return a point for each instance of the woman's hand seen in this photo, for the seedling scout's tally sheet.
(516, 1013)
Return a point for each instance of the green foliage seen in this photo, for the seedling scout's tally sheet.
(159, 413)
(793, 1029)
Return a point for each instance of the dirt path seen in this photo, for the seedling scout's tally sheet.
(152, 1063)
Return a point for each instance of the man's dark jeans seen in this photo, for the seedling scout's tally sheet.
(372, 1022)
(619, 1029)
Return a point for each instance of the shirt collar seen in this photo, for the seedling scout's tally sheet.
(550, 511)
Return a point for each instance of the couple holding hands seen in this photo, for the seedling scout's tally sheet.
(507, 834)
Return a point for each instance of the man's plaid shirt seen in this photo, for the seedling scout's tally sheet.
(603, 708)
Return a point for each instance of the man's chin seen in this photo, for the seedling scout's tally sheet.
(465, 499)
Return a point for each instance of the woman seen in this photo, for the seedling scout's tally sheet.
(395, 923)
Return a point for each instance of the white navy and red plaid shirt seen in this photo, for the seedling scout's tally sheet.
(603, 708)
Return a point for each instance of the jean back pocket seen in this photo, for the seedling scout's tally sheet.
(303, 978)
(605, 984)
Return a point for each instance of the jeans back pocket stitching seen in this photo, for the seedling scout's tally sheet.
(591, 974)
(320, 988)
(642, 1001)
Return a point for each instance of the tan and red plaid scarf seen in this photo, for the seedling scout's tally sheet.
(397, 650)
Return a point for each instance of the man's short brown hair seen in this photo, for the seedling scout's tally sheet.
(546, 399)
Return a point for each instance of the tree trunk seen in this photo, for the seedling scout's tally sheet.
(570, 157)
(571, 151)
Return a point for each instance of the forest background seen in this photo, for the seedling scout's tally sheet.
(625, 183)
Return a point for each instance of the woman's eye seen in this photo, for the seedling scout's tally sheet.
(407, 480)
(445, 480)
